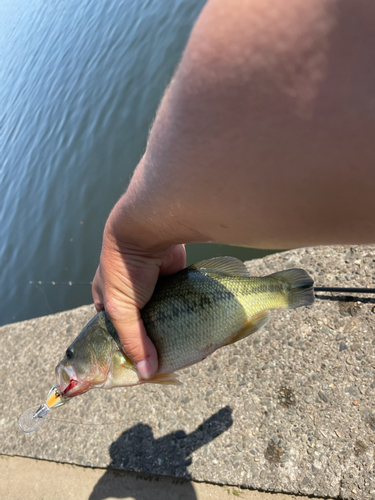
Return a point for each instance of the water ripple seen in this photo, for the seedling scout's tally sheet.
(81, 81)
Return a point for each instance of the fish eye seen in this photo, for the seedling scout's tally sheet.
(69, 353)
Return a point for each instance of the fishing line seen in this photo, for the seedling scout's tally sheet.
(82, 423)
(45, 297)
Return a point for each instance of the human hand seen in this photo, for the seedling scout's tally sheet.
(124, 283)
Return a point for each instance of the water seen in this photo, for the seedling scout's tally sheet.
(80, 85)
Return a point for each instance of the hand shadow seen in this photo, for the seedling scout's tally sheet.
(137, 450)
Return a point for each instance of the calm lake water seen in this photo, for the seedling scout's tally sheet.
(80, 85)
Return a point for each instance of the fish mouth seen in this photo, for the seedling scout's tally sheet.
(67, 381)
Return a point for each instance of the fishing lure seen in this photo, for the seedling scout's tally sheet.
(31, 419)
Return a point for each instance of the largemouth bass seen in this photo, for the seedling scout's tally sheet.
(190, 315)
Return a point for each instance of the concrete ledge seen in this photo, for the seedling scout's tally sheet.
(35, 479)
(289, 409)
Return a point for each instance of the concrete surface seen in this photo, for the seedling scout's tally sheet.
(37, 479)
(289, 409)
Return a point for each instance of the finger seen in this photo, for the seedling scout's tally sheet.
(174, 260)
(96, 290)
(136, 343)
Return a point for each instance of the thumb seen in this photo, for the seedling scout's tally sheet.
(136, 343)
(126, 319)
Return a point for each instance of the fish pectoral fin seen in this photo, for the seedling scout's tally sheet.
(255, 323)
(164, 379)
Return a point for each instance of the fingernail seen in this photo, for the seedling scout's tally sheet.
(144, 369)
(98, 306)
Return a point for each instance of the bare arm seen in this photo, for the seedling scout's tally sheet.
(264, 138)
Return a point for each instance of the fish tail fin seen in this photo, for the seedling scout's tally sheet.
(298, 285)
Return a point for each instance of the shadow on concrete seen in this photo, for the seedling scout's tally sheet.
(346, 298)
(137, 450)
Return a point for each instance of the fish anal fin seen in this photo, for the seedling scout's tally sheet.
(255, 323)
(163, 378)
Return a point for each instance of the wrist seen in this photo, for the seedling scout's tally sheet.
(148, 217)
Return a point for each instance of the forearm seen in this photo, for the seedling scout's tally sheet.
(265, 135)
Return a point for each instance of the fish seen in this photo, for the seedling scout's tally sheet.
(191, 314)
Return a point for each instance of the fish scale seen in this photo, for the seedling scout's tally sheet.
(190, 315)
(206, 310)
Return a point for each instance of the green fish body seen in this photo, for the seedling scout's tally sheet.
(190, 315)
(215, 303)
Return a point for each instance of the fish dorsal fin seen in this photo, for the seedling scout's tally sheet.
(164, 379)
(227, 266)
(252, 326)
